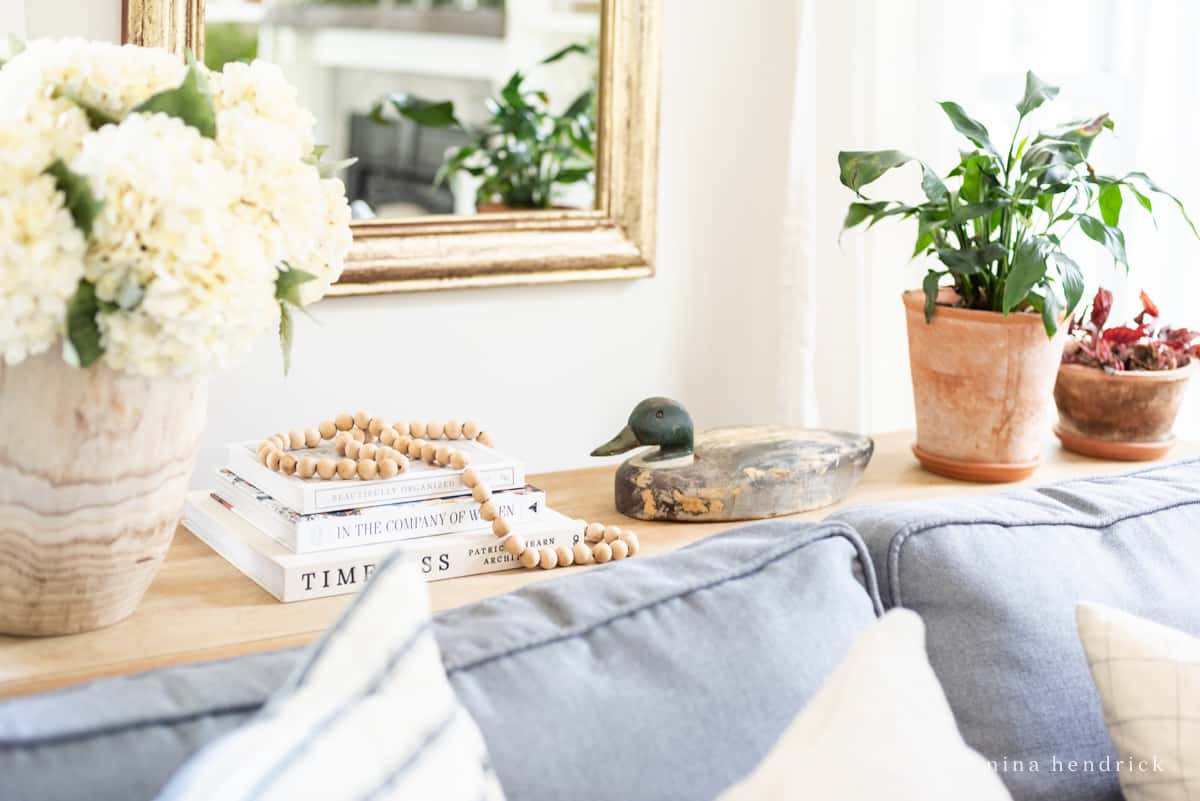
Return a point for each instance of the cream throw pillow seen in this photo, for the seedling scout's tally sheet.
(878, 728)
(1148, 676)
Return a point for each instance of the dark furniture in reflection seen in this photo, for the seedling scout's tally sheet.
(397, 163)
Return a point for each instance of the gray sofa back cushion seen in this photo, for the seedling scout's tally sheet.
(655, 678)
(996, 579)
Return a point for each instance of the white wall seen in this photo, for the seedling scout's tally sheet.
(554, 370)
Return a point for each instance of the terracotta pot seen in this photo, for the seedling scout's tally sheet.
(981, 387)
(94, 466)
(1126, 415)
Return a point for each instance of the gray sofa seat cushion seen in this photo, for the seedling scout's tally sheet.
(996, 579)
(655, 678)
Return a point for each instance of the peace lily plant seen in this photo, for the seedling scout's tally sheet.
(997, 226)
(155, 217)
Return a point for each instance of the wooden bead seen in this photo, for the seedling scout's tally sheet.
(327, 429)
(582, 554)
(368, 451)
(344, 422)
(470, 429)
(358, 435)
(402, 462)
(312, 438)
(401, 427)
(388, 436)
(566, 557)
(306, 467)
(428, 451)
(594, 532)
(326, 468)
(442, 454)
(296, 439)
(619, 549)
(353, 448)
(548, 559)
(287, 464)
(459, 460)
(272, 460)
(263, 450)
(602, 552)
(417, 429)
(453, 429)
(415, 448)
(485, 439)
(501, 527)
(632, 542)
(367, 468)
(514, 544)
(284, 440)
(470, 478)
(278, 441)
(612, 533)
(434, 429)
(529, 558)
(362, 420)
(402, 442)
(481, 492)
(376, 425)
(487, 510)
(347, 468)
(388, 468)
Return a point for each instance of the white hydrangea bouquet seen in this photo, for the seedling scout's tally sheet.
(156, 216)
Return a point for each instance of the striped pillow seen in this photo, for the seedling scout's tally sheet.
(368, 715)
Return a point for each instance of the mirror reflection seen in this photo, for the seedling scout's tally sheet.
(446, 106)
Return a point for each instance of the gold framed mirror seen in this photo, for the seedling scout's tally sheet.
(611, 237)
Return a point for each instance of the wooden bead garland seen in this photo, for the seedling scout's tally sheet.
(369, 448)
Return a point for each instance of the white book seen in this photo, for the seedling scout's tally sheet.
(296, 577)
(351, 527)
(420, 482)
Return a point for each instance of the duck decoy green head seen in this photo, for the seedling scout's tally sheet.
(654, 421)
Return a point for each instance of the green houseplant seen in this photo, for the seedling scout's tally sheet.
(984, 338)
(524, 151)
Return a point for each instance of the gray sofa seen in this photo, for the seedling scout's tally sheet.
(670, 677)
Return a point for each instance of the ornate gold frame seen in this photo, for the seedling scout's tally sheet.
(616, 240)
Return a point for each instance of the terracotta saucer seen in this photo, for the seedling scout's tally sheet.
(1115, 451)
(983, 472)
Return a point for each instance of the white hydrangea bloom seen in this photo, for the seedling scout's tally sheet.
(41, 261)
(328, 256)
(169, 247)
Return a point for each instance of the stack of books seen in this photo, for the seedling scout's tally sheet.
(308, 538)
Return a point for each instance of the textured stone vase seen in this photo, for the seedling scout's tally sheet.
(94, 466)
(981, 386)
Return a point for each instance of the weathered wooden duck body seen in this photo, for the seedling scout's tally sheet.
(730, 473)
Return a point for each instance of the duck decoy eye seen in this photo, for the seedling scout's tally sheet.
(659, 414)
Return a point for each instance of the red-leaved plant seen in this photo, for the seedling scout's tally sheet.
(1144, 345)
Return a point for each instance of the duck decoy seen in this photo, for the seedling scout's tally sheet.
(729, 473)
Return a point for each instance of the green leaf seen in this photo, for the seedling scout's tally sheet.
(924, 240)
(1037, 92)
(191, 102)
(861, 167)
(968, 127)
(326, 169)
(287, 285)
(930, 285)
(1051, 313)
(1110, 203)
(1142, 199)
(1106, 235)
(959, 262)
(287, 333)
(581, 104)
(430, 113)
(1072, 280)
(77, 195)
(1028, 269)
(962, 214)
(862, 211)
(1080, 132)
(575, 47)
(83, 332)
(932, 185)
(1153, 187)
(16, 46)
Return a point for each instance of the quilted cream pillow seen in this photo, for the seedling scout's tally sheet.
(368, 715)
(1148, 676)
(878, 728)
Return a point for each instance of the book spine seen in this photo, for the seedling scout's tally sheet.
(436, 558)
(383, 524)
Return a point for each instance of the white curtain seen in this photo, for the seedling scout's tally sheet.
(868, 75)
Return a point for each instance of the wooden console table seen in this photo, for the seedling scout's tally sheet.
(200, 607)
